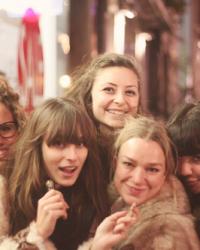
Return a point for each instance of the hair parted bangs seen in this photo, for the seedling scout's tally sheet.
(69, 125)
(70, 128)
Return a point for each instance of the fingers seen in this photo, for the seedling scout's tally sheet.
(123, 223)
(133, 210)
(114, 217)
(51, 207)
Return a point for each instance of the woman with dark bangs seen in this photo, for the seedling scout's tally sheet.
(56, 191)
(184, 130)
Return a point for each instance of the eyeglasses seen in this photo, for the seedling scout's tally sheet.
(8, 129)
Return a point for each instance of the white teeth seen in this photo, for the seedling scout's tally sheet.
(116, 112)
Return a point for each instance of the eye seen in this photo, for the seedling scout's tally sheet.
(127, 164)
(131, 92)
(57, 144)
(80, 144)
(152, 170)
(6, 128)
(196, 159)
(109, 90)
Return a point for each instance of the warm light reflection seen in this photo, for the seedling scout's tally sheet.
(140, 44)
(65, 81)
(63, 39)
(119, 29)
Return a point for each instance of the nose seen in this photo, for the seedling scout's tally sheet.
(137, 175)
(119, 97)
(185, 168)
(70, 152)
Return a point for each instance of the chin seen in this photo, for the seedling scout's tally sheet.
(117, 125)
(67, 183)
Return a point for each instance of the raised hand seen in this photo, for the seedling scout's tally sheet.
(114, 228)
(51, 207)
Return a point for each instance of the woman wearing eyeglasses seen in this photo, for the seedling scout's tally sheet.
(12, 119)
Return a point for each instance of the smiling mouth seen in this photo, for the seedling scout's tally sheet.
(117, 112)
(67, 170)
(136, 191)
(193, 183)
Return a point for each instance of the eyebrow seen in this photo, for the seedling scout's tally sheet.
(149, 163)
(115, 85)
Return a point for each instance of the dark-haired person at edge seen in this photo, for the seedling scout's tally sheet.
(184, 130)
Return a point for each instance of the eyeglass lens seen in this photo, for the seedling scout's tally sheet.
(8, 129)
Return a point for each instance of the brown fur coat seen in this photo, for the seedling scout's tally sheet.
(26, 239)
(165, 222)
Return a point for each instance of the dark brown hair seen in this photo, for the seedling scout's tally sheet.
(58, 120)
(184, 129)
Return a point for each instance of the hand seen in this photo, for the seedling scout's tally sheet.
(114, 228)
(132, 214)
(51, 207)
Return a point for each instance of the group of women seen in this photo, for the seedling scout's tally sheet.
(89, 171)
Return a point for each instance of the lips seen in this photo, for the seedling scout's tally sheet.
(135, 191)
(116, 112)
(193, 183)
(68, 171)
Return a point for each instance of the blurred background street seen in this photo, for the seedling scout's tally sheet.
(43, 41)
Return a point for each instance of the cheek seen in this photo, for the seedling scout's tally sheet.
(119, 176)
(11, 140)
(134, 103)
(196, 169)
(84, 156)
(159, 183)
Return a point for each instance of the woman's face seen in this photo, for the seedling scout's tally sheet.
(140, 170)
(189, 169)
(64, 162)
(115, 95)
(8, 131)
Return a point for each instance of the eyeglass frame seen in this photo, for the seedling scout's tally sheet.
(14, 132)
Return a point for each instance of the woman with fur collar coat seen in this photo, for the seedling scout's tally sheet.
(144, 177)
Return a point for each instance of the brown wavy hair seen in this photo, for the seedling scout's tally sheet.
(10, 99)
(60, 120)
(84, 77)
